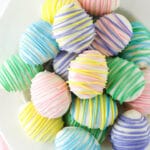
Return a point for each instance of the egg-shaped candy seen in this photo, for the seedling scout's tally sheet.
(88, 74)
(71, 138)
(138, 50)
(98, 112)
(51, 7)
(37, 127)
(100, 135)
(16, 75)
(73, 29)
(100, 7)
(50, 95)
(113, 33)
(125, 80)
(130, 132)
(37, 44)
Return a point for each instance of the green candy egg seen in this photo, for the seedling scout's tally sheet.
(16, 75)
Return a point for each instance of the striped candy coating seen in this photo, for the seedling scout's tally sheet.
(73, 138)
(98, 112)
(61, 63)
(138, 50)
(50, 95)
(37, 45)
(37, 127)
(99, 7)
(88, 74)
(113, 33)
(142, 103)
(125, 80)
(130, 133)
(100, 135)
(73, 29)
(15, 75)
(51, 7)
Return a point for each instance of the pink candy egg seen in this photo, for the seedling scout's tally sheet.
(142, 103)
(50, 95)
(99, 7)
(113, 33)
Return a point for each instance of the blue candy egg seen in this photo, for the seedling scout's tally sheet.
(37, 45)
(75, 138)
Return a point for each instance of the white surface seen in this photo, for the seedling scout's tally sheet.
(3, 6)
(18, 15)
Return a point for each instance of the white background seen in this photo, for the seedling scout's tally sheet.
(17, 16)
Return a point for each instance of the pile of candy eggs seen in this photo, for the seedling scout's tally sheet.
(80, 74)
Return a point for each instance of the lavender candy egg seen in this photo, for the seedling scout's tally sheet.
(62, 62)
(73, 29)
(113, 33)
(131, 132)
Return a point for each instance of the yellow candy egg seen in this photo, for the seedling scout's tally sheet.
(37, 127)
(51, 7)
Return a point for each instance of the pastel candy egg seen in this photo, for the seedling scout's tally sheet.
(88, 74)
(50, 95)
(130, 132)
(51, 7)
(125, 80)
(37, 45)
(113, 33)
(61, 63)
(138, 50)
(100, 135)
(15, 75)
(71, 138)
(142, 103)
(73, 29)
(38, 128)
(98, 112)
(100, 7)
